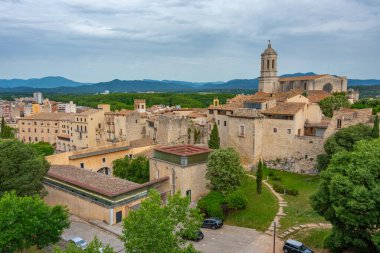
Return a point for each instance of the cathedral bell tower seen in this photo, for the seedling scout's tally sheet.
(268, 81)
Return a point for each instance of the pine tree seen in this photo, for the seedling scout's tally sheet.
(375, 130)
(214, 141)
(259, 177)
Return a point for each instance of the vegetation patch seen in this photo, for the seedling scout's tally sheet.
(260, 209)
(312, 238)
(299, 210)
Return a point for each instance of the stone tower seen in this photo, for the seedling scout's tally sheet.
(268, 78)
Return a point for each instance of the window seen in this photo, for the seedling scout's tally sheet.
(289, 131)
(35, 123)
(35, 130)
(56, 131)
(99, 125)
(339, 123)
(218, 122)
(82, 165)
(274, 130)
(48, 130)
(104, 160)
(241, 130)
(272, 64)
(225, 123)
(267, 64)
(36, 139)
(136, 121)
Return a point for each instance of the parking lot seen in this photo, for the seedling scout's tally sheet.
(236, 240)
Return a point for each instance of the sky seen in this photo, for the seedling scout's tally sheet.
(189, 40)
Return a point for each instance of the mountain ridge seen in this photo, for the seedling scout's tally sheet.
(59, 84)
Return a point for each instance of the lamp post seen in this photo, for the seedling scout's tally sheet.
(274, 237)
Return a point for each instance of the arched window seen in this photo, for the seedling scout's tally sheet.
(305, 85)
(273, 64)
(267, 64)
(328, 87)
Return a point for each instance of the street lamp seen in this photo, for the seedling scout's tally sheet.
(274, 237)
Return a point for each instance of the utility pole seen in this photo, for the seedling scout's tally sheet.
(274, 237)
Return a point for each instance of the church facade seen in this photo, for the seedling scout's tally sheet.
(269, 81)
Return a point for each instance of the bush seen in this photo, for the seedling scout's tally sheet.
(237, 200)
(211, 205)
(278, 188)
(322, 162)
(292, 192)
(276, 177)
(281, 189)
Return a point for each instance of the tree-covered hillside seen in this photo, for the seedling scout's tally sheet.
(125, 100)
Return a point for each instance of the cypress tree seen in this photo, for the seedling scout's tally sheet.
(375, 130)
(259, 177)
(214, 141)
(2, 130)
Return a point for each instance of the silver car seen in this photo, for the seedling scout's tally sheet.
(79, 242)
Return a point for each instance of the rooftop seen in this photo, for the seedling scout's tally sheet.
(48, 116)
(301, 78)
(88, 112)
(94, 181)
(285, 109)
(184, 150)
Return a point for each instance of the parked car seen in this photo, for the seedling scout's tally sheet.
(213, 223)
(79, 242)
(293, 246)
(199, 236)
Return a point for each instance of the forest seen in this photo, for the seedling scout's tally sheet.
(125, 100)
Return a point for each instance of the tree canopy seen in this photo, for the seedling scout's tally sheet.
(349, 197)
(224, 171)
(21, 169)
(43, 148)
(158, 228)
(95, 246)
(135, 169)
(333, 103)
(214, 141)
(6, 132)
(345, 138)
(28, 221)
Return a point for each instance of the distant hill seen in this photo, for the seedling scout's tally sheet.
(66, 86)
(45, 82)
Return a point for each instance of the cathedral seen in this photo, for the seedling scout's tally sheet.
(269, 81)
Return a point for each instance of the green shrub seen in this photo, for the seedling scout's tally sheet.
(236, 200)
(278, 188)
(281, 189)
(211, 205)
(276, 177)
(292, 192)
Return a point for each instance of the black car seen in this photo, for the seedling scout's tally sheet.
(293, 246)
(213, 223)
(199, 236)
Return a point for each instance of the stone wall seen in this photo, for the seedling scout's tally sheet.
(172, 129)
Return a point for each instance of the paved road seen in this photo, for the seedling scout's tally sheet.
(228, 239)
(231, 239)
(88, 232)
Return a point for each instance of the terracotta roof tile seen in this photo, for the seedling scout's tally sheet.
(93, 181)
(184, 150)
(288, 108)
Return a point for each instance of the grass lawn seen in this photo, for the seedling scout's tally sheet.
(299, 210)
(260, 211)
(312, 238)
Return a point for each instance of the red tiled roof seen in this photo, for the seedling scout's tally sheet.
(288, 108)
(94, 181)
(184, 150)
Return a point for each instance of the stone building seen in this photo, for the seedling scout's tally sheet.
(100, 158)
(184, 165)
(41, 127)
(94, 196)
(285, 127)
(124, 125)
(269, 81)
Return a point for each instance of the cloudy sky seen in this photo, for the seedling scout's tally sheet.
(191, 40)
